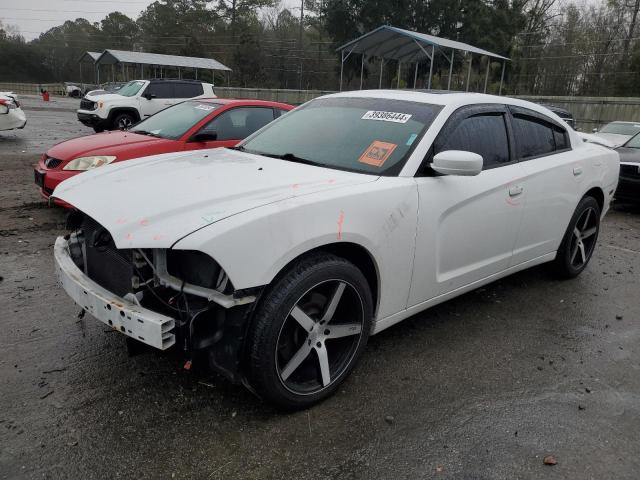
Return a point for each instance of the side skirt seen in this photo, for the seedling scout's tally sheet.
(391, 320)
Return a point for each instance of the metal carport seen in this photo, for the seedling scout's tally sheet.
(405, 46)
(157, 61)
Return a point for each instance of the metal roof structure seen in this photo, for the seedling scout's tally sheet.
(89, 57)
(406, 46)
(142, 58)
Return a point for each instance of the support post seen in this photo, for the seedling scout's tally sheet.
(381, 65)
(415, 76)
(80, 72)
(122, 71)
(486, 77)
(469, 71)
(196, 73)
(361, 70)
(433, 53)
(450, 70)
(113, 72)
(504, 65)
(341, 67)
(399, 64)
(213, 78)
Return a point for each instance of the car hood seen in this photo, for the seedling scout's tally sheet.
(615, 139)
(103, 97)
(156, 201)
(629, 155)
(107, 143)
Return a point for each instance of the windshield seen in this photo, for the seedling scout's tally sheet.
(368, 135)
(131, 88)
(173, 122)
(634, 142)
(621, 128)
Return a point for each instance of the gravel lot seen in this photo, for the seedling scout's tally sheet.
(481, 387)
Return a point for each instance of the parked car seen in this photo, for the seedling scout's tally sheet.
(274, 261)
(617, 133)
(11, 114)
(136, 101)
(190, 125)
(72, 90)
(111, 87)
(563, 113)
(629, 182)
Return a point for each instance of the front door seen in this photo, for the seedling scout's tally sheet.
(467, 226)
(233, 125)
(157, 96)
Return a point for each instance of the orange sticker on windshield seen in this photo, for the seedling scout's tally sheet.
(377, 153)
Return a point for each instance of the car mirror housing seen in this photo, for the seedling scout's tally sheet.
(204, 137)
(149, 96)
(457, 162)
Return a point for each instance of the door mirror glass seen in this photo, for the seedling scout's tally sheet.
(209, 136)
(457, 162)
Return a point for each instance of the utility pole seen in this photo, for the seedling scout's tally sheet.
(300, 45)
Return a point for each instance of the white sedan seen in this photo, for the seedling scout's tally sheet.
(275, 260)
(11, 115)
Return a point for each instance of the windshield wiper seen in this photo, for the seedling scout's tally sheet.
(290, 157)
(144, 132)
(237, 147)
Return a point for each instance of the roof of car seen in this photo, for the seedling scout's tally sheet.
(444, 98)
(229, 101)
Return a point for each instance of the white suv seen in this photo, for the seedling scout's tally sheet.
(136, 101)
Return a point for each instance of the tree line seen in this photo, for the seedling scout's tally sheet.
(556, 47)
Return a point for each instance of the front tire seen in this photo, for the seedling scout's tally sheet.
(309, 331)
(579, 240)
(123, 121)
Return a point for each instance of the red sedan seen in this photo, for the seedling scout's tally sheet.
(190, 125)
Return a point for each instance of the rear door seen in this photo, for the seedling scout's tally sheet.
(467, 226)
(553, 175)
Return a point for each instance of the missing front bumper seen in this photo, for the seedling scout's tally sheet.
(137, 322)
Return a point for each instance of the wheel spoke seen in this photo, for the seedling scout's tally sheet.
(574, 252)
(302, 318)
(323, 360)
(586, 220)
(344, 330)
(582, 252)
(296, 360)
(333, 303)
(588, 233)
(577, 234)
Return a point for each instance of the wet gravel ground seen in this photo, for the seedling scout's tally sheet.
(481, 387)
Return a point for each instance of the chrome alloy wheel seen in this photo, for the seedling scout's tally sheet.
(584, 238)
(319, 337)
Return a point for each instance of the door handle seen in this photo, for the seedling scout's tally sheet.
(515, 190)
(577, 171)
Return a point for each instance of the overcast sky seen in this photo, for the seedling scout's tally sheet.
(33, 17)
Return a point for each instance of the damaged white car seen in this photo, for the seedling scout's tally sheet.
(11, 114)
(275, 260)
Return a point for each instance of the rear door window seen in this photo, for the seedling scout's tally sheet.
(484, 134)
(188, 89)
(536, 135)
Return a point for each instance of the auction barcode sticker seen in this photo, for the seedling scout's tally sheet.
(387, 116)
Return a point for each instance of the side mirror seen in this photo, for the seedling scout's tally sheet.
(457, 162)
(149, 96)
(204, 137)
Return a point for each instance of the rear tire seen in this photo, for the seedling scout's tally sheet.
(309, 331)
(579, 240)
(98, 129)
